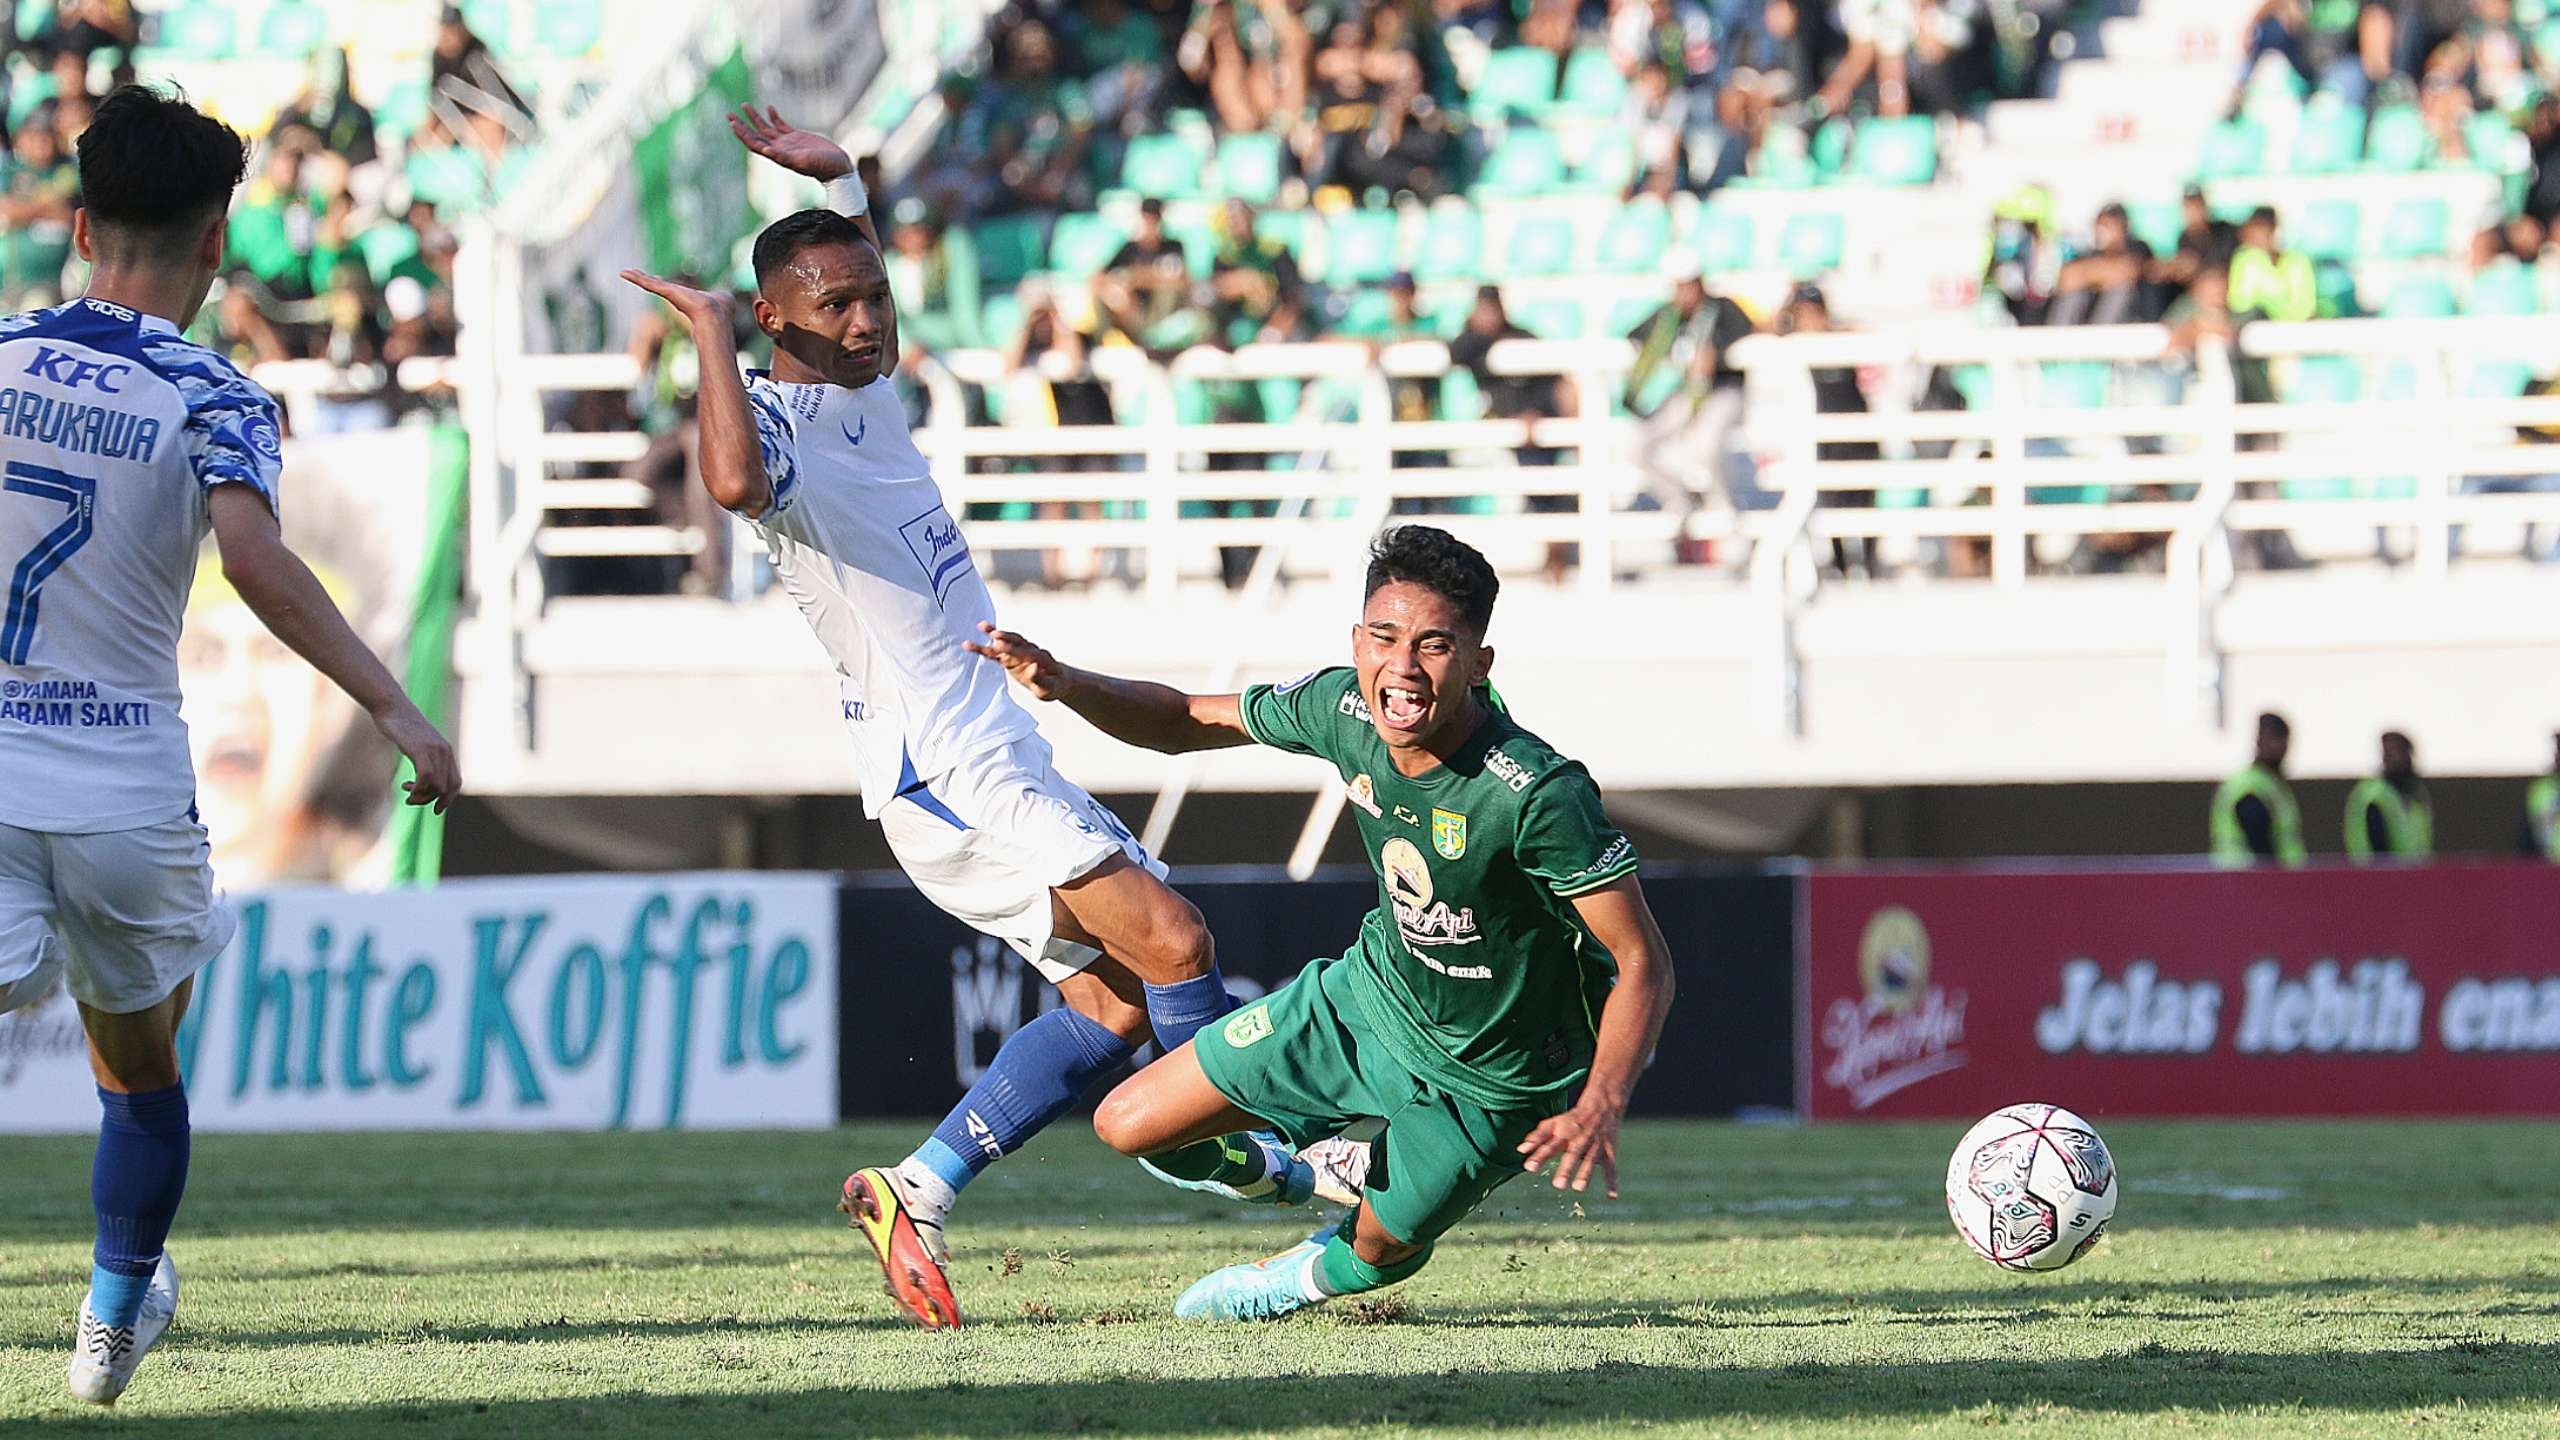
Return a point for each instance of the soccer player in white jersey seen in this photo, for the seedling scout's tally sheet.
(121, 445)
(816, 454)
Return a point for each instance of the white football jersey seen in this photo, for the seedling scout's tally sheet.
(113, 431)
(861, 539)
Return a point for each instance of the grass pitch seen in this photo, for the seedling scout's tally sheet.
(2276, 1280)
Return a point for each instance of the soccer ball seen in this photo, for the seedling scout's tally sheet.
(2031, 1187)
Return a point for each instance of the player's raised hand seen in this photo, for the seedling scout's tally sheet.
(1031, 667)
(1576, 1140)
(693, 304)
(439, 775)
(802, 152)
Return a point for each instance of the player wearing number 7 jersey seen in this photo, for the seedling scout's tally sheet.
(121, 446)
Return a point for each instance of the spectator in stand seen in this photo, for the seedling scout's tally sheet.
(1038, 126)
(275, 228)
(2026, 260)
(1687, 397)
(2319, 39)
(39, 189)
(1414, 397)
(1050, 384)
(2205, 245)
(75, 30)
(1518, 397)
(2489, 56)
(328, 108)
(1250, 56)
(1836, 392)
(1678, 35)
(2542, 137)
(1249, 277)
(1376, 126)
(1658, 117)
(463, 74)
(933, 277)
(1120, 57)
(1484, 21)
(2107, 285)
(244, 333)
(1146, 290)
(2267, 279)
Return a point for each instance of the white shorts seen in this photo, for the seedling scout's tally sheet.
(988, 842)
(128, 914)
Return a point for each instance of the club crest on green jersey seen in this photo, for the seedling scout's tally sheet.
(1247, 1026)
(1448, 833)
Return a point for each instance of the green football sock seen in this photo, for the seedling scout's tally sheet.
(1228, 1159)
(1341, 1271)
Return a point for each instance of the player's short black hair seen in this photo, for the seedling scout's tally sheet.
(1440, 562)
(156, 168)
(799, 231)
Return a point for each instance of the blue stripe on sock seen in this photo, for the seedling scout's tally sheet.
(942, 1160)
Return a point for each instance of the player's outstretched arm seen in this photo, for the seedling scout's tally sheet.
(1630, 1025)
(1135, 712)
(282, 592)
(732, 456)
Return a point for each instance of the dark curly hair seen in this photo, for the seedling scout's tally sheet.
(793, 233)
(1440, 562)
(155, 171)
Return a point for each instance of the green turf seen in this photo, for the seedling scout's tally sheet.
(2325, 1279)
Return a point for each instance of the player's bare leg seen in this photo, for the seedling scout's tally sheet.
(900, 1210)
(1140, 921)
(1173, 1121)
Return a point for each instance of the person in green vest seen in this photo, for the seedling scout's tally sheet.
(2541, 835)
(2277, 283)
(2254, 818)
(2388, 815)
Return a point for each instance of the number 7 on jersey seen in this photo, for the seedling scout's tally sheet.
(80, 493)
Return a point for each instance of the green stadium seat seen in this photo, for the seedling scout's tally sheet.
(1082, 244)
(2234, 147)
(1592, 84)
(2156, 223)
(2492, 143)
(2398, 142)
(1726, 239)
(451, 179)
(1896, 152)
(1460, 399)
(2415, 229)
(1009, 247)
(1635, 238)
(1366, 313)
(1517, 81)
(2334, 291)
(1452, 244)
(1526, 161)
(2325, 229)
(28, 91)
(1549, 319)
(292, 29)
(2324, 380)
(1609, 166)
(385, 248)
(568, 28)
(2420, 297)
(197, 30)
(1290, 228)
(403, 109)
(2498, 380)
(2071, 385)
(1000, 318)
(1165, 167)
(1360, 247)
(1627, 314)
(1249, 168)
(1829, 149)
(2331, 139)
(2506, 287)
(1196, 231)
(1812, 243)
(1781, 163)
(494, 21)
(1540, 245)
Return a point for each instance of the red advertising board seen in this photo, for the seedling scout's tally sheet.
(2399, 991)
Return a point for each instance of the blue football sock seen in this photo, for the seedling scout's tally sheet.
(1038, 1073)
(134, 1186)
(1184, 1008)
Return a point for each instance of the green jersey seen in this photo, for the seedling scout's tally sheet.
(1474, 967)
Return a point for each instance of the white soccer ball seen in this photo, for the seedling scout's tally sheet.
(2031, 1187)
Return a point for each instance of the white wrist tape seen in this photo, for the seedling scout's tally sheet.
(846, 195)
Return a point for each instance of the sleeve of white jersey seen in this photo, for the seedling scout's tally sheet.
(233, 433)
(779, 444)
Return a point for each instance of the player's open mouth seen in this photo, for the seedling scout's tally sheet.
(868, 357)
(1400, 708)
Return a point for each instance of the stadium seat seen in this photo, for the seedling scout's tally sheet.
(2324, 380)
(1288, 227)
(2498, 380)
(1635, 238)
(1539, 245)
(1082, 244)
(2494, 144)
(197, 30)
(1727, 239)
(1000, 319)
(1367, 312)
(2415, 229)
(494, 21)
(1249, 168)
(1460, 399)
(568, 28)
(2325, 229)
(1781, 163)
(2156, 223)
(1165, 167)
(1625, 315)
(2234, 147)
(2331, 138)
(292, 29)
(1829, 149)
(1608, 166)
(403, 108)
(1452, 244)
(451, 179)
(2420, 297)
(1518, 81)
(27, 92)
(1009, 247)
(2398, 141)
(1549, 319)
(385, 248)
(1526, 161)
(1593, 85)
(2506, 287)
(1896, 152)
(2334, 291)
(1360, 247)
(1196, 231)
(1812, 243)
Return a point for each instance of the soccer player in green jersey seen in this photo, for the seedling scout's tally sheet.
(1501, 999)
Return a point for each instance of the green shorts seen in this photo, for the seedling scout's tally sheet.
(1304, 1060)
